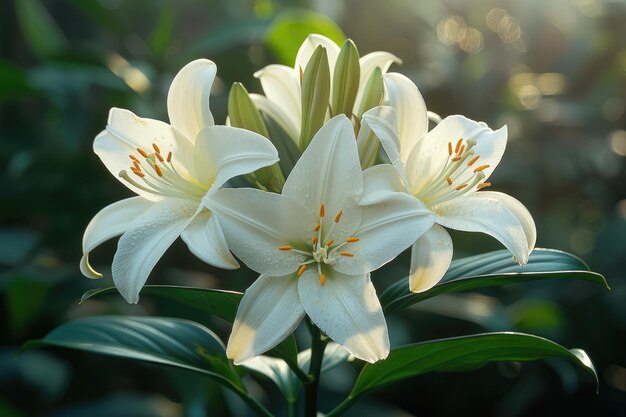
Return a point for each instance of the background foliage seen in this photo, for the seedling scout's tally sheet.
(553, 70)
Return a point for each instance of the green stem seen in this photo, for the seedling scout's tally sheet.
(254, 404)
(291, 408)
(296, 370)
(311, 386)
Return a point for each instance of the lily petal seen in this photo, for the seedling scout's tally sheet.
(125, 132)
(388, 227)
(205, 239)
(430, 155)
(431, 255)
(410, 109)
(329, 171)
(224, 152)
(270, 310)
(188, 98)
(378, 182)
(111, 221)
(278, 114)
(347, 309)
(140, 248)
(308, 47)
(282, 86)
(486, 215)
(519, 210)
(256, 224)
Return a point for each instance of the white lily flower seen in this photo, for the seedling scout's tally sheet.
(172, 168)
(315, 245)
(281, 84)
(445, 169)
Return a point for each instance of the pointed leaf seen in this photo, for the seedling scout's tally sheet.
(492, 269)
(461, 353)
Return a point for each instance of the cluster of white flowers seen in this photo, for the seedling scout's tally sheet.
(340, 214)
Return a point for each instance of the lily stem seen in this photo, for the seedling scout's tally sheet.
(318, 344)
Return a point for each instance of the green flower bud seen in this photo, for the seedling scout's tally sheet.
(315, 95)
(346, 80)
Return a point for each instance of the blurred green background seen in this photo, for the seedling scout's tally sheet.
(553, 70)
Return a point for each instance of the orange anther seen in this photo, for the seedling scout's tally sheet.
(169, 156)
(314, 240)
(301, 270)
(460, 187)
(134, 158)
(136, 165)
(317, 227)
(157, 170)
(460, 152)
(352, 239)
(138, 173)
(338, 216)
(322, 279)
(449, 180)
(471, 161)
(483, 185)
(286, 247)
(159, 157)
(322, 210)
(142, 152)
(450, 148)
(480, 168)
(329, 242)
(458, 146)
(346, 254)
(456, 158)
(156, 148)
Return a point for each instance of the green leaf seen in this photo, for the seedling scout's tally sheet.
(162, 33)
(493, 269)
(40, 31)
(291, 27)
(163, 341)
(457, 354)
(209, 301)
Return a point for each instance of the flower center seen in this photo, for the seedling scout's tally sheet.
(156, 174)
(460, 174)
(322, 249)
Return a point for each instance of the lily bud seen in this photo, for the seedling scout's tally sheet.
(244, 114)
(373, 92)
(315, 95)
(346, 80)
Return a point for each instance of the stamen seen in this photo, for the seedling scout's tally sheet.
(159, 157)
(460, 187)
(458, 145)
(471, 161)
(449, 180)
(346, 254)
(134, 158)
(169, 156)
(137, 172)
(322, 279)
(338, 216)
(480, 168)
(286, 247)
(317, 227)
(483, 185)
(314, 240)
(157, 170)
(301, 270)
(322, 210)
(329, 242)
(352, 239)
(456, 158)
(450, 148)
(136, 165)
(156, 148)
(460, 152)
(142, 152)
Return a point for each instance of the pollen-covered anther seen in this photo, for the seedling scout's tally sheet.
(286, 247)
(460, 187)
(483, 185)
(314, 240)
(460, 152)
(156, 148)
(449, 180)
(338, 216)
(471, 161)
(134, 158)
(481, 168)
(169, 156)
(450, 148)
(159, 157)
(322, 210)
(137, 172)
(456, 158)
(329, 242)
(142, 152)
(458, 145)
(317, 227)
(348, 254)
(301, 270)
(322, 279)
(352, 239)
(157, 169)
(137, 165)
